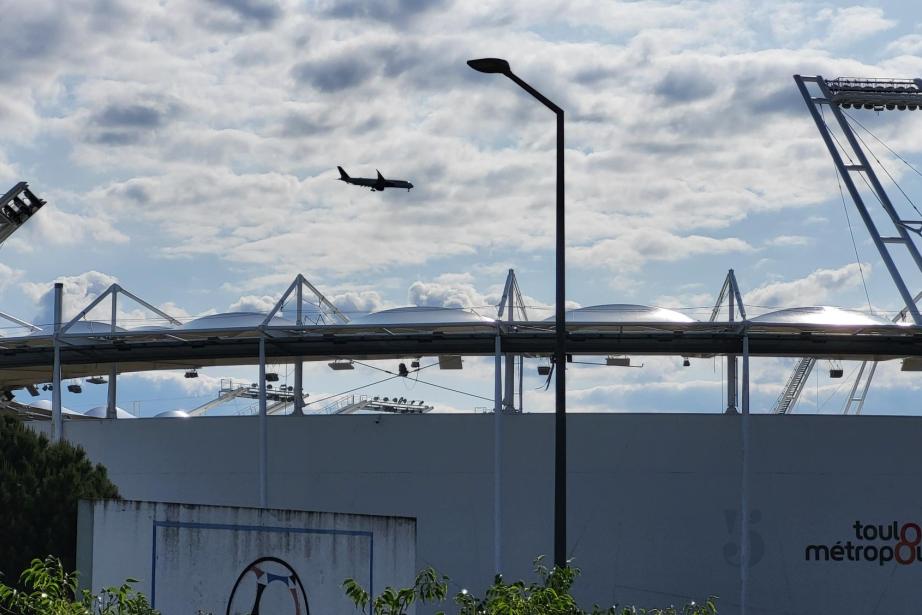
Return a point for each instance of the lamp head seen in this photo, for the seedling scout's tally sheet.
(490, 65)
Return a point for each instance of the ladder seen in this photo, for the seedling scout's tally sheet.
(795, 385)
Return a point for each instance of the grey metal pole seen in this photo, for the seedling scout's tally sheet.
(263, 428)
(110, 399)
(744, 484)
(731, 365)
(498, 455)
(509, 397)
(57, 417)
(298, 408)
(497, 65)
(560, 389)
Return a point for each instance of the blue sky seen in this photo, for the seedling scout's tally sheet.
(188, 151)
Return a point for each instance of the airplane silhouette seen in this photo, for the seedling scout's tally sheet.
(376, 185)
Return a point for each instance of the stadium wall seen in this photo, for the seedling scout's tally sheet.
(654, 503)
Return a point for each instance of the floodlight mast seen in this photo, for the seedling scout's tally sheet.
(878, 95)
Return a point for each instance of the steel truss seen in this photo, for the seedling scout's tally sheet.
(877, 94)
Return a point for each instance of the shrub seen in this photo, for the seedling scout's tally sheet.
(548, 595)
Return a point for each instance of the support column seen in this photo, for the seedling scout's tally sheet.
(744, 484)
(497, 456)
(731, 368)
(57, 418)
(298, 408)
(110, 400)
(509, 398)
(263, 444)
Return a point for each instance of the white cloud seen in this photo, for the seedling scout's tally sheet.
(813, 289)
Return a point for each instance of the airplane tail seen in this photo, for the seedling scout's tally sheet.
(342, 174)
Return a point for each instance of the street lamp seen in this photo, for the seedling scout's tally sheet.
(497, 65)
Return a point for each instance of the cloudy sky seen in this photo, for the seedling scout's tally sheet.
(188, 151)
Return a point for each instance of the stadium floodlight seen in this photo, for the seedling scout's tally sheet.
(618, 361)
(32, 390)
(402, 370)
(836, 372)
(96, 380)
(686, 362)
(16, 206)
(192, 373)
(75, 388)
(876, 94)
(341, 365)
(272, 377)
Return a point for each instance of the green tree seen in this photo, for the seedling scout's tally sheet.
(40, 484)
(47, 589)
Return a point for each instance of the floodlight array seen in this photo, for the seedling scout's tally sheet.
(16, 206)
(876, 94)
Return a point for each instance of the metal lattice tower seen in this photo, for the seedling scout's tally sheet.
(878, 95)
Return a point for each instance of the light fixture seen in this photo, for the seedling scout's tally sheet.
(272, 377)
(450, 361)
(414, 364)
(685, 362)
(618, 361)
(75, 388)
(192, 373)
(341, 365)
(96, 380)
(836, 372)
(544, 370)
(402, 370)
(32, 390)
(490, 65)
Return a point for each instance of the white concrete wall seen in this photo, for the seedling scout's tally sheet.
(654, 499)
(198, 558)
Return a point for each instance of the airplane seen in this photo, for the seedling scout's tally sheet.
(376, 185)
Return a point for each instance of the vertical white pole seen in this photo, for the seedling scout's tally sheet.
(110, 400)
(744, 484)
(521, 383)
(57, 418)
(263, 429)
(731, 366)
(497, 457)
(509, 398)
(298, 408)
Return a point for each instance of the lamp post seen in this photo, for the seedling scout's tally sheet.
(497, 65)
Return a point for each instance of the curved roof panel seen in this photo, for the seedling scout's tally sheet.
(99, 412)
(45, 404)
(820, 315)
(625, 313)
(172, 414)
(233, 320)
(419, 315)
(81, 327)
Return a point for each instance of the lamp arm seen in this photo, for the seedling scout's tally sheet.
(541, 97)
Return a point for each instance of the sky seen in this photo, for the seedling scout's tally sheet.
(188, 151)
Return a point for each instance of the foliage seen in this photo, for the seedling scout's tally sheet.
(40, 484)
(427, 588)
(549, 595)
(47, 589)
